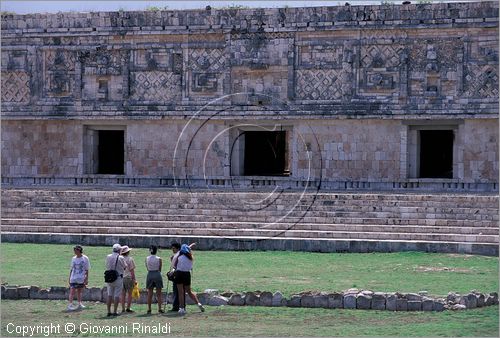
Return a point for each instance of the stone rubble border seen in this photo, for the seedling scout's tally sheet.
(350, 299)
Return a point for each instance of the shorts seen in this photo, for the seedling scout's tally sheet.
(183, 277)
(76, 285)
(128, 283)
(115, 289)
(154, 280)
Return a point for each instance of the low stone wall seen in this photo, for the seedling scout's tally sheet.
(350, 299)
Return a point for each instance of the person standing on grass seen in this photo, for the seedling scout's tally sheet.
(154, 279)
(78, 277)
(175, 250)
(128, 279)
(183, 265)
(115, 262)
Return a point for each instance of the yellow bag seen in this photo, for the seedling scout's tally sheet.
(135, 291)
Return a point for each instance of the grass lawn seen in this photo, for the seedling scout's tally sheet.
(289, 272)
(256, 321)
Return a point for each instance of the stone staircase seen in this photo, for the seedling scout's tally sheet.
(238, 220)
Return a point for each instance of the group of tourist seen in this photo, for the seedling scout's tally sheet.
(123, 266)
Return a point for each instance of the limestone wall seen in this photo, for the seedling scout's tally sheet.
(366, 149)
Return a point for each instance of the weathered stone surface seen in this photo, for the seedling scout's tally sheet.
(494, 295)
(307, 301)
(458, 307)
(413, 297)
(212, 291)
(266, 298)
(363, 301)
(10, 292)
(58, 292)
(391, 302)
(480, 300)
(278, 299)
(453, 297)
(401, 304)
(379, 301)
(294, 301)
(414, 305)
(438, 305)
(217, 300)
(203, 297)
(427, 304)
(236, 299)
(252, 299)
(38, 293)
(350, 301)
(336, 300)
(95, 294)
(23, 292)
(321, 300)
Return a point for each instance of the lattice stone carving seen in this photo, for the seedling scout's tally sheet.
(481, 81)
(319, 84)
(444, 54)
(381, 56)
(15, 87)
(212, 60)
(155, 86)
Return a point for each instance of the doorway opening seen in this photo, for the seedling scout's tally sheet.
(111, 151)
(436, 153)
(265, 153)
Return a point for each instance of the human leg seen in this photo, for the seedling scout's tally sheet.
(150, 299)
(159, 299)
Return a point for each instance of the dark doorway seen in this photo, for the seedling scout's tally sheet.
(265, 153)
(436, 153)
(111, 152)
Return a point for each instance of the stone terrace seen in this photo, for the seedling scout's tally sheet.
(333, 222)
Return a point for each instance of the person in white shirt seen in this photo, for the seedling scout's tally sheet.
(154, 278)
(183, 265)
(78, 277)
(115, 262)
(128, 279)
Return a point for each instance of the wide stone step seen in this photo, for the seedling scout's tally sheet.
(197, 196)
(261, 233)
(366, 212)
(251, 225)
(173, 215)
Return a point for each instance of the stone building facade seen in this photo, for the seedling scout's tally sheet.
(389, 96)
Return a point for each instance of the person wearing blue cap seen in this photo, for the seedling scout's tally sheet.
(183, 265)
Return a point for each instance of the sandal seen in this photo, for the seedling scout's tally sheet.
(161, 311)
(149, 312)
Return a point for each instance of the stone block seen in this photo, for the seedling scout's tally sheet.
(457, 307)
(278, 299)
(390, 303)
(480, 300)
(363, 301)
(494, 296)
(413, 297)
(414, 305)
(294, 301)
(203, 298)
(10, 292)
(335, 300)
(401, 304)
(266, 298)
(438, 305)
(378, 301)
(321, 301)
(472, 301)
(58, 292)
(23, 292)
(217, 300)
(236, 299)
(350, 301)
(95, 294)
(427, 304)
(252, 299)
(307, 301)
(38, 293)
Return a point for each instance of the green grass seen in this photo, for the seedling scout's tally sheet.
(261, 321)
(289, 272)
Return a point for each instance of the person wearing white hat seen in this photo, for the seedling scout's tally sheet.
(115, 262)
(128, 279)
